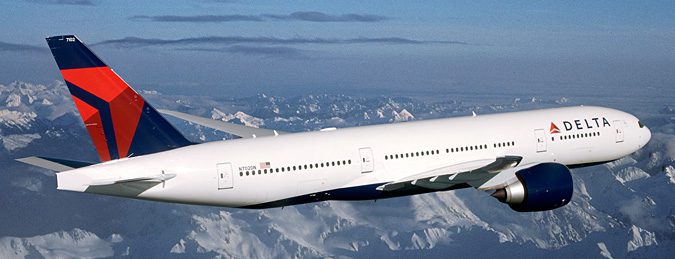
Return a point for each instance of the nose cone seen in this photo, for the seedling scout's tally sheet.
(645, 136)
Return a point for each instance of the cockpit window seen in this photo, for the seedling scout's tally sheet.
(640, 124)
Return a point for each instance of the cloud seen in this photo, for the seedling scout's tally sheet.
(130, 42)
(322, 17)
(640, 211)
(296, 16)
(64, 2)
(29, 183)
(221, 1)
(270, 52)
(198, 18)
(4, 46)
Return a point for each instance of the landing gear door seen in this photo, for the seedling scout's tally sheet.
(618, 130)
(225, 176)
(540, 136)
(367, 164)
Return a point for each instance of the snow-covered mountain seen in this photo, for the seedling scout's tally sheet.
(620, 209)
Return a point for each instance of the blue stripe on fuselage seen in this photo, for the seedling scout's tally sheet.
(355, 193)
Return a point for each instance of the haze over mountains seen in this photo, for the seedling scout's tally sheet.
(620, 209)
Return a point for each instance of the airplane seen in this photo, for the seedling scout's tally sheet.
(523, 158)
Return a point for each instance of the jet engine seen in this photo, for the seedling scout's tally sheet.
(545, 186)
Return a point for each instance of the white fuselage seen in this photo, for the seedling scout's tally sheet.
(350, 163)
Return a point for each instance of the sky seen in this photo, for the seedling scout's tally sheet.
(406, 47)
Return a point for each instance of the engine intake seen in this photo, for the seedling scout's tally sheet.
(545, 186)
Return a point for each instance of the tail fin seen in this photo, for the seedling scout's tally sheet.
(119, 121)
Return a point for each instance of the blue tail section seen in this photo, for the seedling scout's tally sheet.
(119, 121)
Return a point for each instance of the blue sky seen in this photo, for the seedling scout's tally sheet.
(244, 47)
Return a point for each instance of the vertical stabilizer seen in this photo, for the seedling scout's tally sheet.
(119, 121)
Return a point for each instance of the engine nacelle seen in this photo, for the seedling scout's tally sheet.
(541, 187)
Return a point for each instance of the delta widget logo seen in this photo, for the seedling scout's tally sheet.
(554, 129)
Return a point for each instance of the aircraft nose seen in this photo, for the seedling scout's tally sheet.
(645, 136)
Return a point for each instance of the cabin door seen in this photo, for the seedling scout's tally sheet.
(367, 164)
(540, 135)
(618, 129)
(225, 175)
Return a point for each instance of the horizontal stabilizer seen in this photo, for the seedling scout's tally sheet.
(54, 164)
(231, 128)
(151, 179)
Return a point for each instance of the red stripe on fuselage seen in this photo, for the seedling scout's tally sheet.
(94, 125)
(99, 81)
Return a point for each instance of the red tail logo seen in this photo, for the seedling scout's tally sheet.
(118, 120)
(554, 129)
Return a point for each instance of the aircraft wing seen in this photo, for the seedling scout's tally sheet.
(231, 128)
(54, 164)
(475, 173)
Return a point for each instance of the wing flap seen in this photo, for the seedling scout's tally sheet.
(231, 128)
(474, 173)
